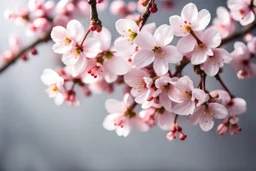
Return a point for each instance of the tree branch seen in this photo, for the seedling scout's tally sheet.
(94, 13)
(223, 85)
(146, 14)
(40, 40)
(180, 66)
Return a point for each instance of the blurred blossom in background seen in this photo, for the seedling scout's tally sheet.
(37, 135)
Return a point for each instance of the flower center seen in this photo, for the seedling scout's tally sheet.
(130, 113)
(158, 52)
(108, 54)
(188, 94)
(140, 84)
(95, 71)
(160, 110)
(67, 41)
(132, 34)
(187, 28)
(55, 88)
(77, 52)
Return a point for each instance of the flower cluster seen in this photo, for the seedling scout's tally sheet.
(140, 60)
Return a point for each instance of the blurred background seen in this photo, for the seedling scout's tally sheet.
(37, 135)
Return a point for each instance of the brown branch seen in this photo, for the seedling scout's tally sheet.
(176, 119)
(40, 40)
(86, 34)
(203, 79)
(94, 13)
(223, 85)
(239, 33)
(146, 14)
(180, 66)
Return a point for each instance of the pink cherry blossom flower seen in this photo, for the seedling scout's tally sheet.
(122, 117)
(128, 30)
(141, 83)
(214, 63)
(166, 91)
(242, 11)
(209, 40)
(66, 39)
(241, 61)
(107, 63)
(161, 116)
(111, 60)
(223, 22)
(55, 83)
(204, 115)
(190, 19)
(187, 97)
(155, 48)
(235, 106)
(76, 57)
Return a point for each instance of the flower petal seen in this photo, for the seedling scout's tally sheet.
(186, 44)
(219, 111)
(115, 106)
(76, 30)
(145, 41)
(163, 35)
(143, 58)
(189, 13)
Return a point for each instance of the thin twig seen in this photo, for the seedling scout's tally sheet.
(146, 14)
(45, 38)
(176, 118)
(203, 79)
(94, 13)
(86, 34)
(180, 66)
(223, 85)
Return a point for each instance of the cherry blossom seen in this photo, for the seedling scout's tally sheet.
(55, 83)
(155, 48)
(166, 91)
(242, 11)
(223, 22)
(214, 63)
(203, 48)
(204, 115)
(140, 61)
(241, 61)
(66, 39)
(236, 106)
(161, 116)
(122, 117)
(187, 97)
(190, 19)
(141, 83)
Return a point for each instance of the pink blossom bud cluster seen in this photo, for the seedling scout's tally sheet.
(37, 15)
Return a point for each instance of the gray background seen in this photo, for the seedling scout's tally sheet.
(36, 135)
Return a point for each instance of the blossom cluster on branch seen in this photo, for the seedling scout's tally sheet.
(139, 60)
